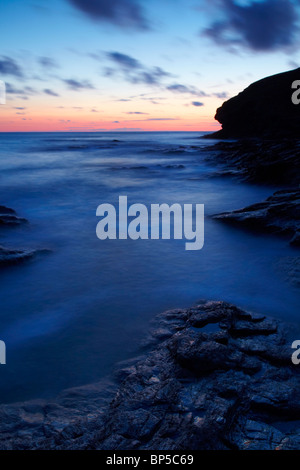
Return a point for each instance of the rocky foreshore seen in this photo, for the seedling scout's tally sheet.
(280, 214)
(266, 123)
(265, 162)
(213, 377)
(271, 162)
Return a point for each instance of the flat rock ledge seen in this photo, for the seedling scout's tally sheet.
(212, 377)
(280, 214)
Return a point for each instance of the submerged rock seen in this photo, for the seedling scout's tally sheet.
(10, 257)
(280, 214)
(218, 378)
(9, 217)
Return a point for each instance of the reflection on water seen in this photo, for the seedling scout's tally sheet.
(70, 315)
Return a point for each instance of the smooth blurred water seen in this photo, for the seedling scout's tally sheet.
(69, 315)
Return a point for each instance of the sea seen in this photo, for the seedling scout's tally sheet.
(82, 305)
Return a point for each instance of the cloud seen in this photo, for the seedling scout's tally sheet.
(20, 108)
(197, 103)
(179, 88)
(133, 70)
(221, 95)
(135, 112)
(77, 85)
(161, 119)
(293, 64)
(265, 25)
(124, 13)
(153, 119)
(124, 60)
(9, 66)
(11, 89)
(27, 90)
(126, 129)
(50, 92)
(47, 63)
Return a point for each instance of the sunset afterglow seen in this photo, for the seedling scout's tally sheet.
(71, 65)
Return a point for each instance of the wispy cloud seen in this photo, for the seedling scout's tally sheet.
(50, 92)
(47, 62)
(135, 112)
(125, 61)
(179, 88)
(27, 90)
(161, 119)
(197, 103)
(133, 70)
(153, 119)
(77, 85)
(9, 66)
(266, 25)
(124, 13)
(222, 95)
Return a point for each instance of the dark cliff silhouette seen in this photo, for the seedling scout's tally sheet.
(264, 109)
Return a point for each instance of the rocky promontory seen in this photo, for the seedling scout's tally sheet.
(264, 109)
(213, 377)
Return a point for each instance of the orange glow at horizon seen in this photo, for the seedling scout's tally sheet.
(23, 117)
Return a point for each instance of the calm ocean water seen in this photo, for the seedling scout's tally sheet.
(69, 315)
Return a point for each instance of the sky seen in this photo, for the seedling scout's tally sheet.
(137, 65)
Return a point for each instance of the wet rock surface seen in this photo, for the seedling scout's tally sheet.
(290, 267)
(213, 377)
(280, 214)
(264, 162)
(260, 161)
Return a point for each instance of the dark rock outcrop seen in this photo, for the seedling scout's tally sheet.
(10, 257)
(264, 109)
(8, 217)
(259, 161)
(216, 377)
(280, 213)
